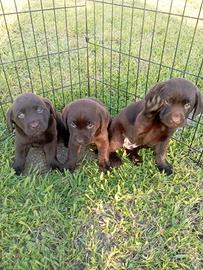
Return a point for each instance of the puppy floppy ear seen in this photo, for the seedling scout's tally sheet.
(198, 108)
(65, 115)
(50, 106)
(104, 119)
(9, 118)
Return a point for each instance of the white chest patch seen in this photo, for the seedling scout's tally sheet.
(128, 145)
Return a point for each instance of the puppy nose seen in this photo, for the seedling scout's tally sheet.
(177, 118)
(34, 124)
(80, 141)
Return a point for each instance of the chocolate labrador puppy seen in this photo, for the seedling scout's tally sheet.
(35, 122)
(87, 120)
(152, 121)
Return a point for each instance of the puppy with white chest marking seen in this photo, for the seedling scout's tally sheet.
(152, 121)
(35, 122)
(87, 120)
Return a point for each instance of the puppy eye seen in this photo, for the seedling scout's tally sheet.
(21, 115)
(73, 125)
(90, 125)
(169, 101)
(40, 110)
(187, 105)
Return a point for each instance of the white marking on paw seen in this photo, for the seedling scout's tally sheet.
(128, 145)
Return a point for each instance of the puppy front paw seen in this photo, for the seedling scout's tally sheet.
(55, 165)
(114, 160)
(167, 168)
(134, 156)
(104, 166)
(18, 168)
(153, 105)
(70, 166)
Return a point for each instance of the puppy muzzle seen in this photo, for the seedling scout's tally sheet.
(82, 141)
(173, 119)
(35, 128)
(34, 125)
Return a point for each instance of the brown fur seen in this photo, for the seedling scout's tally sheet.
(87, 120)
(37, 127)
(152, 121)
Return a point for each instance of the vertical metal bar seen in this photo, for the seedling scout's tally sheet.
(58, 51)
(177, 43)
(23, 43)
(140, 48)
(95, 54)
(119, 59)
(194, 134)
(68, 47)
(87, 40)
(47, 47)
(9, 89)
(193, 37)
(111, 57)
(76, 25)
(166, 33)
(36, 49)
(129, 49)
(176, 49)
(103, 51)
(190, 49)
(199, 159)
(200, 69)
(3, 112)
(12, 52)
(151, 47)
(197, 79)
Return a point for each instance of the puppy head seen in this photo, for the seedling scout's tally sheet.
(30, 113)
(85, 119)
(179, 97)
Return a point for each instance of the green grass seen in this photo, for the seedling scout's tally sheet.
(133, 217)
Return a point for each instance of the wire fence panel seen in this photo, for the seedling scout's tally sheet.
(135, 44)
(115, 50)
(42, 48)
